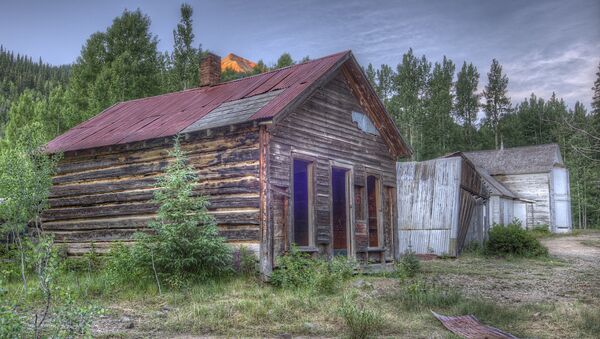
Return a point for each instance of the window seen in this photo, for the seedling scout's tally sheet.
(373, 210)
(302, 202)
(364, 123)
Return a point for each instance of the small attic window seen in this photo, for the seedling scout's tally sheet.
(364, 123)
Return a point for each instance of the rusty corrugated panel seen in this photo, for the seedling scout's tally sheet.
(168, 114)
(467, 326)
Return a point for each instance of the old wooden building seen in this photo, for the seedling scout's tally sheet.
(304, 154)
(529, 183)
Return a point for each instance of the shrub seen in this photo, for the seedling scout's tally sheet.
(245, 262)
(185, 241)
(121, 266)
(513, 240)
(11, 324)
(408, 265)
(71, 320)
(297, 269)
(540, 231)
(361, 322)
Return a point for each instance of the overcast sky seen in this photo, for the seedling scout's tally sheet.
(544, 46)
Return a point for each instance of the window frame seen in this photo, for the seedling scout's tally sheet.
(311, 183)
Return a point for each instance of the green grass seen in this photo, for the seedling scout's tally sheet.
(381, 305)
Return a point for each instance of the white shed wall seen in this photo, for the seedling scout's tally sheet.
(428, 206)
(534, 187)
(561, 200)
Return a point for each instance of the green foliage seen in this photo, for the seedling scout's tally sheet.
(408, 265)
(540, 231)
(513, 240)
(122, 267)
(185, 241)
(419, 296)
(12, 325)
(284, 60)
(361, 322)
(466, 105)
(246, 262)
(497, 102)
(19, 73)
(72, 320)
(186, 57)
(25, 181)
(297, 269)
(119, 64)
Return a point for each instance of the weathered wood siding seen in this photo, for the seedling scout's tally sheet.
(428, 205)
(322, 129)
(535, 187)
(440, 206)
(104, 195)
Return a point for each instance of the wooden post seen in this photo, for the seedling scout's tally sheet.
(266, 227)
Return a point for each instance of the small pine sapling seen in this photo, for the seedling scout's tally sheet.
(185, 241)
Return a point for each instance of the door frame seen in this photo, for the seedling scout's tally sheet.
(349, 169)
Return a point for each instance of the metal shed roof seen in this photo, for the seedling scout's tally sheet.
(168, 114)
(518, 160)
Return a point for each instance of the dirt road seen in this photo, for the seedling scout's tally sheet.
(582, 247)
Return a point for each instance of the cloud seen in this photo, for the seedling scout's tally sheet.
(570, 72)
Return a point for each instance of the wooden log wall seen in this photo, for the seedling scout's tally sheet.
(322, 129)
(104, 195)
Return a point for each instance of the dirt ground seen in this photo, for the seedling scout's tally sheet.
(570, 277)
(572, 273)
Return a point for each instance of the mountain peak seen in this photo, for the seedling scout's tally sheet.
(237, 63)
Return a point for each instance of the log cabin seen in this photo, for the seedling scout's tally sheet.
(301, 155)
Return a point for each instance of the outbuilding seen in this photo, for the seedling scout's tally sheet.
(301, 155)
(442, 206)
(532, 186)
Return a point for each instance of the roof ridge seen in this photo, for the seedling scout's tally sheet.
(511, 148)
(282, 68)
(232, 81)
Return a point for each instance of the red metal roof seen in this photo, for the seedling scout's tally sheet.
(168, 114)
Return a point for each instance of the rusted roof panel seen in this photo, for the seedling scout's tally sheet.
(168, 114)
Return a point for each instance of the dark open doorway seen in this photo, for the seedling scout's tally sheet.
(339, 199)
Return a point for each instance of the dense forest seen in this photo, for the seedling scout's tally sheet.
(437, 106)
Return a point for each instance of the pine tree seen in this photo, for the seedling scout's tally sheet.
(371, 74)
(186, 58)
(186, 241)
(497, 102)
(408, 105)
(467, 101)
(439, 124)
(385, 83)
(596, 95)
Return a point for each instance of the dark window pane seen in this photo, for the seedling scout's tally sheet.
(301, 202)
(372, 209)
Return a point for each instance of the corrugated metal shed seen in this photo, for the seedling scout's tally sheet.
(438, 200)
(169, 114)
